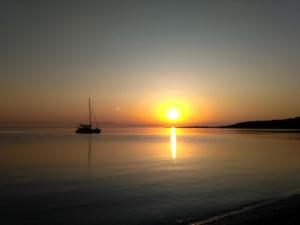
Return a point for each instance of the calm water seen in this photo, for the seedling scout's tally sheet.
(140, 176)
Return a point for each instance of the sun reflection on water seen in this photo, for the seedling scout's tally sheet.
(173, 143)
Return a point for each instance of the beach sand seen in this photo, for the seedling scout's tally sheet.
(284, 212)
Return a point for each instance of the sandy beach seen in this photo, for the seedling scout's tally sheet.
(284, 212)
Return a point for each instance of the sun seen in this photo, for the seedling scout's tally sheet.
(173, 114)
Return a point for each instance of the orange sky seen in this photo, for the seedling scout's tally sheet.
(224, 62)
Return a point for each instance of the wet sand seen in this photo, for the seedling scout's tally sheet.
(284, 212)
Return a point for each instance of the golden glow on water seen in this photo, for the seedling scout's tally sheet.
(173, 143)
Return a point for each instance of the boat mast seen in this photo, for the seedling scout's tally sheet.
(90, 112)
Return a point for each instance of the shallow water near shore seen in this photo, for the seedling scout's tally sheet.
(141, 175)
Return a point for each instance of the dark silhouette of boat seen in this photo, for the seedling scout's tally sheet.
(88, 128)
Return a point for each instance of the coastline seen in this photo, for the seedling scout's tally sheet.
(279, 124)
(279, 130)
(260, 130)
(283, 211)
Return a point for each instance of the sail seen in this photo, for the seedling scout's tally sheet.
(88, 128)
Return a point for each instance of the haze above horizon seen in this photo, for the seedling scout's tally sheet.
(199, 62)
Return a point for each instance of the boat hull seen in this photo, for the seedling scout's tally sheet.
(84, 130)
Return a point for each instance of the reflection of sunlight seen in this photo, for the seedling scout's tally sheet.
(173, 142)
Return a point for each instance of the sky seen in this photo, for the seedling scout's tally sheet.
(221, 61)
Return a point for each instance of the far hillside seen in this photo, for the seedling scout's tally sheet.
(291, 123)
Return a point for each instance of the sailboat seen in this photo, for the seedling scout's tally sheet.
(88, 128)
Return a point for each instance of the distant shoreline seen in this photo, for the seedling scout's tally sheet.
(262, 130)
(283, 125)
(290, 123)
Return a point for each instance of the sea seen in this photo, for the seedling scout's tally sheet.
(141, 176)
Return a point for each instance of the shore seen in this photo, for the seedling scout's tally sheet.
(279, 212)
